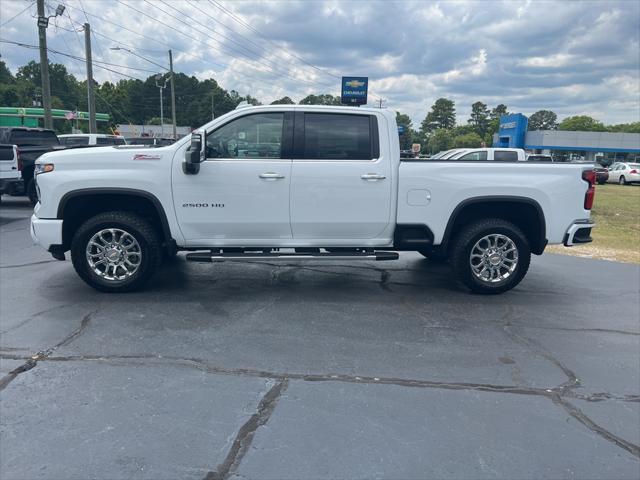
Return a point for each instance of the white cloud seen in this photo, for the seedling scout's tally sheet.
(568, 56)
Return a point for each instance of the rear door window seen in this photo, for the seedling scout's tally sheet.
(505, 156)
(329, 136)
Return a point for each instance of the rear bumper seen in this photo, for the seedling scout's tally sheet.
(579, 232)
(46, 232)
(11, 185)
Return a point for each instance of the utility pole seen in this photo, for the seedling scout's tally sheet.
(173, 95)
(43, 22)
(212, 114)
(161, 88)
(90, 98)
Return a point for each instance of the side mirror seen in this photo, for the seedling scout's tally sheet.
(193, 155)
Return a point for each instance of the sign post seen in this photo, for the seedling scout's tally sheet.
(354, 90)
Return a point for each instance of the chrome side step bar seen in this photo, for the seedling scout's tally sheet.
(256, 257)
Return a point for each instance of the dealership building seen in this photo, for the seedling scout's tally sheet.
(604, 147)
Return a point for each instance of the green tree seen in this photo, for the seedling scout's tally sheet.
(479, 118)
(442, 115)
(283, 101)
(323, 99)
(499, 111)
(469, 140)
(462, 130)
(406, 139)
(625, 127)
(582, 123)
(440, 140)
(543, 120)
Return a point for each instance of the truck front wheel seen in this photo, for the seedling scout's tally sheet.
(490, 256)
(116, 252)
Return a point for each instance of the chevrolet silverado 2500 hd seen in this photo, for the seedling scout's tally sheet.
(302, 183)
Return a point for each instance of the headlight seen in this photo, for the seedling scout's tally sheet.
(43, 168)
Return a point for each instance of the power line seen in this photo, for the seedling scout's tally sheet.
(81, 59)
(253, 29)
(256, 31)
(18, 14)
(203, 33)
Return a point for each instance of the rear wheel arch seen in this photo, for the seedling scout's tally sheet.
(77, 206)
(525, 213)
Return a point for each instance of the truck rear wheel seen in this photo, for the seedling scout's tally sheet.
(116, 252)
(490, 256)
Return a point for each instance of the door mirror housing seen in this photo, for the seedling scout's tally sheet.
(194, 155)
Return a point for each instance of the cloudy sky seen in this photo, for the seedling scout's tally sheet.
(572, 57)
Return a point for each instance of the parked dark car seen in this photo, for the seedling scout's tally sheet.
(31, 143)
(602, 175)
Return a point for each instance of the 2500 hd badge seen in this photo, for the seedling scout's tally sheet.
(203, 205)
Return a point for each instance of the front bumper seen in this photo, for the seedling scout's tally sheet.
(46, 232)
(579, 232)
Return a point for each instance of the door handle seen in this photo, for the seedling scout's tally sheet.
(268, 175)
(372, 176)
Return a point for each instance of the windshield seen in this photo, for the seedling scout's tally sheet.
(451, 154)
(439, 154)
(33, 138)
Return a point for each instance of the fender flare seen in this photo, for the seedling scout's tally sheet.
(542, 235)
(166, 230)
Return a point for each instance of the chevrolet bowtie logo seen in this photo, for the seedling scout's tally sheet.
(354, 83)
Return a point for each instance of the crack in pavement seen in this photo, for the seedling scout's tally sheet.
(245, 435)
(33, 317)
(32, 361)
(580, 416)
(567, 389)
(507, 327)
(595, 330)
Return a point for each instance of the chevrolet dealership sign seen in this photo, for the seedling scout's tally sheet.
(354, 90)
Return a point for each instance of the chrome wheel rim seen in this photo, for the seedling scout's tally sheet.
(113, 254)
(493, 258)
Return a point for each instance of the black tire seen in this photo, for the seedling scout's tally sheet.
(601, 182)
(32, 192)
(434, 255)
(622, 180)
(140, 229)
(465, 241)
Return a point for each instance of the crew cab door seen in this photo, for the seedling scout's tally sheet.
(341, 181)
(241, 194)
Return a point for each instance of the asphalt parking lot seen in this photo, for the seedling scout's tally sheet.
(316, 370)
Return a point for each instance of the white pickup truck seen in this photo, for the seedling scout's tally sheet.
(302, 183)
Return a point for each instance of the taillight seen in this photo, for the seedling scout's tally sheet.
(589, 176)
(635, 172)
